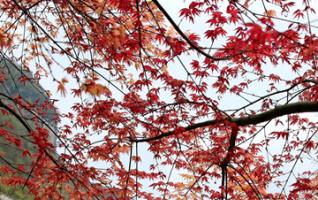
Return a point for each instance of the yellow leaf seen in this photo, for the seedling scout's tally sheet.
(116, 32)
(248, 3)
(95, 89)
(271, 13)
(122, 149)
(4, 39)
(131, 79)
(61, 86)
(129, 24)
(122, 31)
(164, 69)
(180, 185)
(100, 6)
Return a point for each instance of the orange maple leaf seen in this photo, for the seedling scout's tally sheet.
(61, 86)
(271, 13)
(95, 89)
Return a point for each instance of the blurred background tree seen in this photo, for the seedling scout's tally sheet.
(20, 83)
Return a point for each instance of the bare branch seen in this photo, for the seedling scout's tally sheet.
(299, 107)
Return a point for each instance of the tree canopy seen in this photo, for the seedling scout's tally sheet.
(217, 101)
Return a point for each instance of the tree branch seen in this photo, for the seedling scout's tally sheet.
(17, 116)
(299, 107)
(181, 33)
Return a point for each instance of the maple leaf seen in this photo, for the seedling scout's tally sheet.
(310, 145)
(5, 40)
(271, 13)
(95, 89)
(61, 86)
(280, 134)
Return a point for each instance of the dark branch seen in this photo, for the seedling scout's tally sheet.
(299, 107)
(192, 45)
(17, 116)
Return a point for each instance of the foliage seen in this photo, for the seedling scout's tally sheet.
(160, 111)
